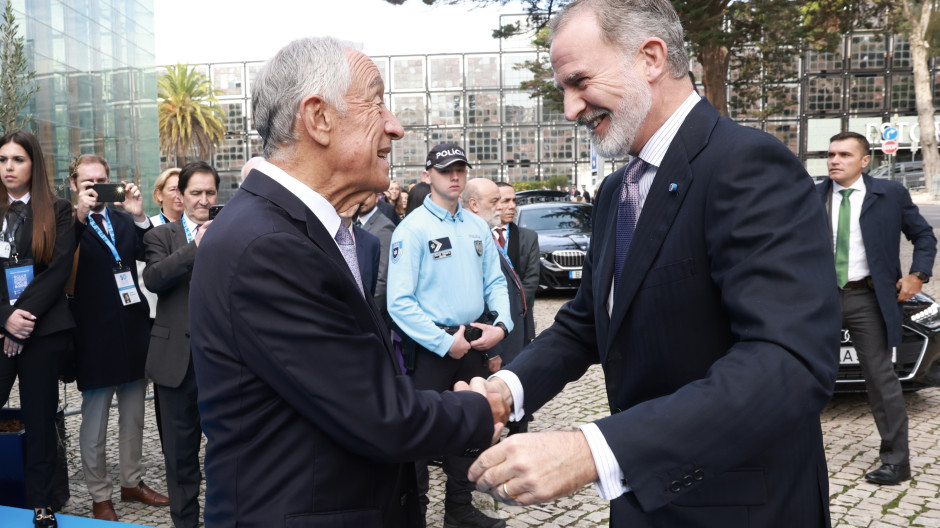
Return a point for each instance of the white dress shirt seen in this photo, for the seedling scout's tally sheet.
(317, 204)
(610, 483)
(858, 259)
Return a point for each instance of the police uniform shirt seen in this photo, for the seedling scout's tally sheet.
(441, 267)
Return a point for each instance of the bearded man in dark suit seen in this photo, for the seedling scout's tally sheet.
(707, 296)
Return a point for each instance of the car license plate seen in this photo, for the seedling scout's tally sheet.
(576, 274)
(849, 356)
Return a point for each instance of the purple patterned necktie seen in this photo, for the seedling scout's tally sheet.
(627, 213)
(347, 246)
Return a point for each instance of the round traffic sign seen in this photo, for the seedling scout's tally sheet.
(889, 147)
(890, 133)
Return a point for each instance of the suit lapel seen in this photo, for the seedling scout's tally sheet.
(512, 248)
(660, 209)
(177, 235)
(94, 235)
(873, 193)
(606, 252)
(262, 185)
(825, 194)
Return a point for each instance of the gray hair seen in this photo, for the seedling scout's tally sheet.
(304, 67)
(624, 24)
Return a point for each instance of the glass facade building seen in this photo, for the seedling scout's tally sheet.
(96, 71)
(475, 100)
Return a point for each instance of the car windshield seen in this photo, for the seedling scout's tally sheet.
(575, 218)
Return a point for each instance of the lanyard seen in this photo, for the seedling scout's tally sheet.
(163, 219)
(107, 241)
(189, 236)
(503, 251)
(10, 234)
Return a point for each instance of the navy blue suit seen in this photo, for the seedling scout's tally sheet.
(874, 318)
(888, 211)
(308, 418)
(718, 353)
(368, 249)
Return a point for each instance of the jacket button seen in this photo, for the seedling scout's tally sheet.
(675, 487)
(698, 474)
(404, 498)
(687, 480)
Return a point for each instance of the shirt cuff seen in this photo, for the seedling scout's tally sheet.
(515, 388)
(443, 348)
(143, 225)
(610, 483)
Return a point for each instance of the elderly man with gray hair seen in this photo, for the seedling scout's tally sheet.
(309, 418)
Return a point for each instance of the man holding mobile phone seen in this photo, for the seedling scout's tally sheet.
(112, 332)
(171, 252)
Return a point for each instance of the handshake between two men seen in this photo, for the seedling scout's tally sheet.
(527, 468)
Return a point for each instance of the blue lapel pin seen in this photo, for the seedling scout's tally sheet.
(673, 187)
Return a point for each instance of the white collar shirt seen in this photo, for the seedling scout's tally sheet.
(858, 259)
(316, 203)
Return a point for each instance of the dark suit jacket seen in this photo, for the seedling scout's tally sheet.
(523, 250)
(887, 211)
(718, 356)
(512, 344)
(388, 210)
(380, 226)
(368, 250)
(308, 418)
(45, 295)
(110, 339)
(169, 269)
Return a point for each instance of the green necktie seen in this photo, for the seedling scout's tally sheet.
(842, 239)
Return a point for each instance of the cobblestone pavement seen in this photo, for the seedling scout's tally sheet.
(850, 437)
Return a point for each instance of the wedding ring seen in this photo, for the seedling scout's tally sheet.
(506, 492)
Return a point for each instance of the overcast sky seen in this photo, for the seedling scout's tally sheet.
(198, 31)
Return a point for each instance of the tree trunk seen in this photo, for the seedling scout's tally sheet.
(715, 60)
(924, 96)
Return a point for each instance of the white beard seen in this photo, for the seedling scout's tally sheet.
(625, 121)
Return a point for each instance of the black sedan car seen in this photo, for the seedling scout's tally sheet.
(915, 361)
(564, 230)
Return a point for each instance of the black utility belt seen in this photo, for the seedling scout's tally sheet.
(471, 333)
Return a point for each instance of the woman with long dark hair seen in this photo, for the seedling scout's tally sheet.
(37, 246)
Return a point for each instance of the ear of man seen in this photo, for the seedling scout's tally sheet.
(653, 53)
(317, 119)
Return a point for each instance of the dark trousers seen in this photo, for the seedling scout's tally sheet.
(433, 372)
(862, 318)
(182, 436)
(38, 368)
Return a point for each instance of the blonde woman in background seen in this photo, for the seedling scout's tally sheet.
(166, 194)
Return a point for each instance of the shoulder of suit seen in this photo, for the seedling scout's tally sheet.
(522, 230)
(163, 230)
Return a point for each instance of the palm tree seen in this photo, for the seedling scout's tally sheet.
(190, 115)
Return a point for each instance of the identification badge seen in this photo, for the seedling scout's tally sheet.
(5, 249)
(127, 290)
(478, 245)
(440, 248)
(18, 276)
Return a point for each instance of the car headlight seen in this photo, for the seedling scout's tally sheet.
(929, 316)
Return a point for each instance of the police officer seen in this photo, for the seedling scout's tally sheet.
(441, 316)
